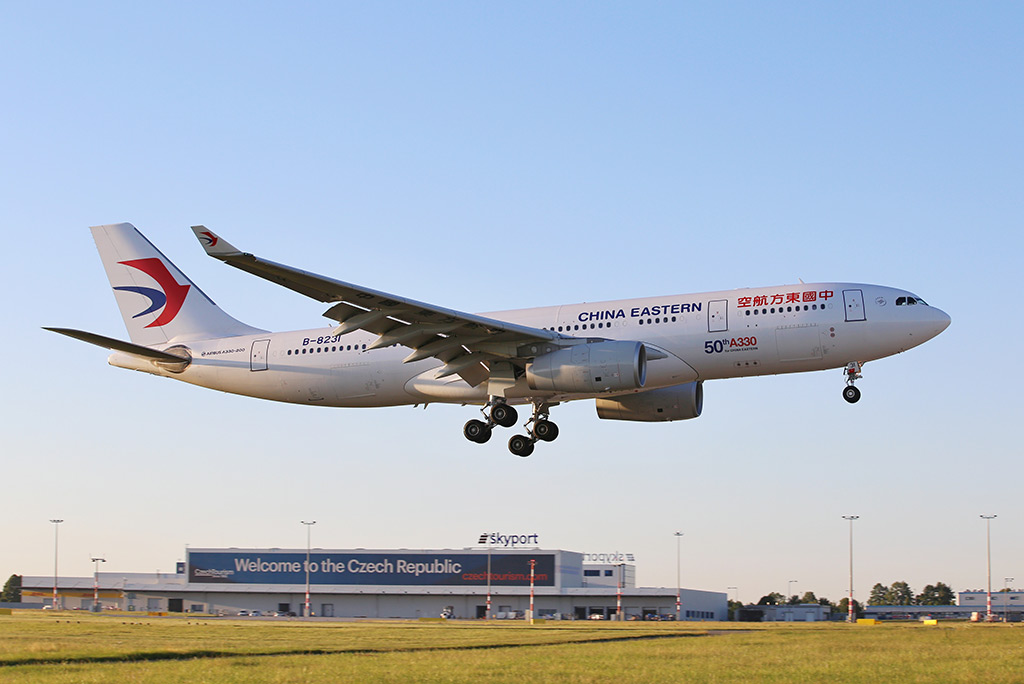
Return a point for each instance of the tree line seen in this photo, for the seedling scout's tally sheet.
(895, 594)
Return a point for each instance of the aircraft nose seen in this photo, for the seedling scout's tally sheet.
(940, 320)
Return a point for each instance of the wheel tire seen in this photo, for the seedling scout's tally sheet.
(851, 394)
(504, 415)
(545, 430)
(520, 445)
(477, 431)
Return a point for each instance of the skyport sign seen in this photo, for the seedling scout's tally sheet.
(390, 569)
(505, 540)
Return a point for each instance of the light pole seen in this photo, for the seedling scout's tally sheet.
(849, 607)
(737, 600)
(96, 584)
(789, 590)
(679, 589)
(309, 526)
(56, 526)
(1006, 596)
(533, 564)
(488, 613)
(618, 594)
(988, 564)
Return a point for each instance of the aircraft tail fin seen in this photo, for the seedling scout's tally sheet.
(158, 302)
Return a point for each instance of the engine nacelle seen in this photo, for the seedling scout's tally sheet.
(669, 403)
(593, 367)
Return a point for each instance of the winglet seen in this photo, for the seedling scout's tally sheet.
(215, 245)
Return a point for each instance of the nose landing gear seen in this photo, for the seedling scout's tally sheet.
(850, 392)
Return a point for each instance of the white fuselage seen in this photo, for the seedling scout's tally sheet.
(733, 333)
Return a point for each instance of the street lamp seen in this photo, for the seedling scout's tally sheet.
(96, 584)
(737, 599)
(789, 589)
(1006, 596)
(849, 607)
(308, 525)
(988, 564)
(56, 526)
(679, 589)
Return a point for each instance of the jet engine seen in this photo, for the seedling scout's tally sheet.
(609, 366)
(669, 403)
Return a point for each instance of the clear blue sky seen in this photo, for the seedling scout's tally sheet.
(493, 155)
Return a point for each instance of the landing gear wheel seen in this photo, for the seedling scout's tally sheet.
(520, 445)
(477, 431)
(504, 415)
(545, 430)
(851, 394)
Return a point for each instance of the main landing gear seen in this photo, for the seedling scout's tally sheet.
(497, 412)
(543, 430)
(851, 393)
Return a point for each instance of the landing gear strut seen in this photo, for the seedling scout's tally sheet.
(496, 412)
(543, 430)
(851, 393)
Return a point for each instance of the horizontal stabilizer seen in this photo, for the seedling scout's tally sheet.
(118, 345)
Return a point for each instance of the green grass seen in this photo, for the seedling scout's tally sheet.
(87, 648)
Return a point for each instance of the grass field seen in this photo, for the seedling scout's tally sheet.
(73, 647)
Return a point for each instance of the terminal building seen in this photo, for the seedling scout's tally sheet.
(361, 583)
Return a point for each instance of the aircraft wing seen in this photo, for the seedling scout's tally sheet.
(466, 343)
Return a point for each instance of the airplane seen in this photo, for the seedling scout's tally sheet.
(640, 359)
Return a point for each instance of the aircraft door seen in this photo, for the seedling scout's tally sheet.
(854, 301)
(718, 320)
(258, 357)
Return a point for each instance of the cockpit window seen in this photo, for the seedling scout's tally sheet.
(910, 301)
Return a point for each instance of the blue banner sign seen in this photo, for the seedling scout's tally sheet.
(393, 569)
